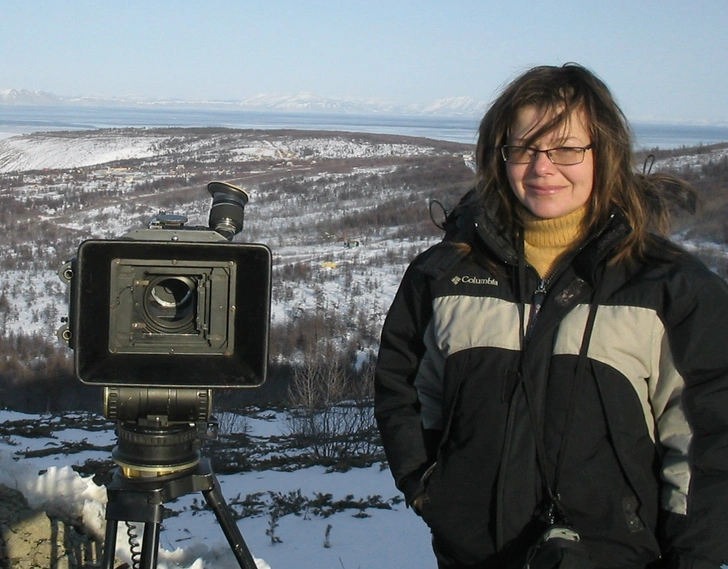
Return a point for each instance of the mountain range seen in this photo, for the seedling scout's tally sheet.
(301, 102)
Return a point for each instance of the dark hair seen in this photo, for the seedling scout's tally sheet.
(560, 91)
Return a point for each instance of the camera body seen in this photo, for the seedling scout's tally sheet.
(171, 306)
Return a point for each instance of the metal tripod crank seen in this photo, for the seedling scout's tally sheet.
(142, 500)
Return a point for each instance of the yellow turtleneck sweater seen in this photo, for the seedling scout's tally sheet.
(546, 240)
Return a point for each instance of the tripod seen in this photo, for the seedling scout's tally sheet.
(142, 500)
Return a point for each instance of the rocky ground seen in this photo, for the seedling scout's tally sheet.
(33, 539)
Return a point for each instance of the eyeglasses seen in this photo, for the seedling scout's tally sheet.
(561, 156)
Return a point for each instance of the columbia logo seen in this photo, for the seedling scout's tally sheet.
(474, 280)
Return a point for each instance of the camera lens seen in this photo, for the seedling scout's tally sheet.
(228, 206)
(170, 305)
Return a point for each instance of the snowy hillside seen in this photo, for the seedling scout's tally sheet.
(342, 213)
(48, 152)
(64, 151)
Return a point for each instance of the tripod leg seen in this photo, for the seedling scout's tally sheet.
(109, 545)
(240, 549)
(150, 545)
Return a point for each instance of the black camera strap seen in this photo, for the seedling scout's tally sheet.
(553, 506)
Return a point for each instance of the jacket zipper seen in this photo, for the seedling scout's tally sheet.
(539, 295)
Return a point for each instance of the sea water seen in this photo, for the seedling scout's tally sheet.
(19, 119)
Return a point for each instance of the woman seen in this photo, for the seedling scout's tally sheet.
(555, 360)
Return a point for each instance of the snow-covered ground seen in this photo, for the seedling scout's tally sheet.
(38, 152)
(350, 539)
(60, 150)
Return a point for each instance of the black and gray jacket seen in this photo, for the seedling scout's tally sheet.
(645, 470)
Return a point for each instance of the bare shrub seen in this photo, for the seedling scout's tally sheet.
(330, 412)
(230, 423)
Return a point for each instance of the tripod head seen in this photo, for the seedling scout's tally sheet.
(159, 430)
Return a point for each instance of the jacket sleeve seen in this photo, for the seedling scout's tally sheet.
(696, 531)
(409, 447)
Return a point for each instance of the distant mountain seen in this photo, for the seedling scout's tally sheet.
(302, 102)
(455, 105)
(25, 97)
(309, 102)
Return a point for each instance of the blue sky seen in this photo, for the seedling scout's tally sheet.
(663, 60)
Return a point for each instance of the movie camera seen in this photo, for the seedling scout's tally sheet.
(159, 318)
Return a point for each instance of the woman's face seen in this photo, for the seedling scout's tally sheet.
(549, 190)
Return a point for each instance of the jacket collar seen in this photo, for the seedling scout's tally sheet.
(599, 248)
(474, 220)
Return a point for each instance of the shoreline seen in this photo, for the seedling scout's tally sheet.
(19, 120)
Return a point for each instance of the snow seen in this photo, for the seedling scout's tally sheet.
(46, 151)
(387, 538)
(37, 152)
(693, 160)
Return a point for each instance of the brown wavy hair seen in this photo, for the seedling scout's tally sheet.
(559, 92)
